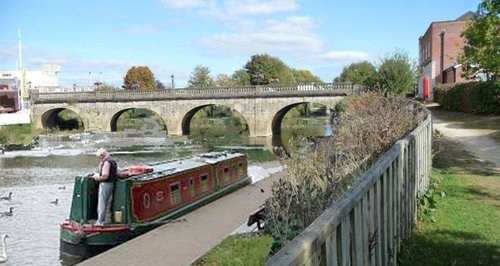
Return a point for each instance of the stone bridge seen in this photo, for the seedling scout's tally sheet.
(261, 107)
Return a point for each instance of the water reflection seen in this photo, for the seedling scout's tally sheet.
(38, 177)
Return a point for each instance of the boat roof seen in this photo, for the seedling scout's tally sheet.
(171, 167)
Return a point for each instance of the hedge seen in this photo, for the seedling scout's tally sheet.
(472, 97)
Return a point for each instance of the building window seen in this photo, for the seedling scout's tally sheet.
(175, 194)
(428, 50)
(204, 183)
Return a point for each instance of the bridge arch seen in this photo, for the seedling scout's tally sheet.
(188, 116)
(49, 117)
(113, 121)
(278, 117)
(276, 122)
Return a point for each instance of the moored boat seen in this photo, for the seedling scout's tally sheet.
(147, 196)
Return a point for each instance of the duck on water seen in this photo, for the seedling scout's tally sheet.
(7, 197)
(7, 213)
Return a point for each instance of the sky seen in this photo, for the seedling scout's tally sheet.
(171, 37)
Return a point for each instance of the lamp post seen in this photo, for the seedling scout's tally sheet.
(173, 84)
(90, 79)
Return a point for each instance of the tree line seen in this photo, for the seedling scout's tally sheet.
(261, 69)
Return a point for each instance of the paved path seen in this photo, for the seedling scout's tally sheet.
(181, 243)
(475, 141)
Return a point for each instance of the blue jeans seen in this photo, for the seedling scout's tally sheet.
(104, 201)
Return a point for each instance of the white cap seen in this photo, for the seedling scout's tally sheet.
(101, 151)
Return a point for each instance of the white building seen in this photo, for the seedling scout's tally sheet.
(23, 81)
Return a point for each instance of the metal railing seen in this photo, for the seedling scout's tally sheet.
(367, 224)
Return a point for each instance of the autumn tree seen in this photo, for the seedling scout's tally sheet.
(223, 80)
(482, 35)
(361, 73)
(160, 85)
(200, 78)
(264, 69)
(140, 78)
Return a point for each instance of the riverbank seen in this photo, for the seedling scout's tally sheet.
(464, 226)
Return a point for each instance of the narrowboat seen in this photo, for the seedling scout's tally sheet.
(145, 197)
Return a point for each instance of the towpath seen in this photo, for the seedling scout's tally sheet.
(475, 141)
(181, 243)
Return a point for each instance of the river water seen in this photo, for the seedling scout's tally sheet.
(42, 175)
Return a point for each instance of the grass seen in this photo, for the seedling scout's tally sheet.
(246, 249)
(470, 121)
(17, 134)
(466, 231)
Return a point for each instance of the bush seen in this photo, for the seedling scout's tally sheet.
(318, 173)
(17, 135)
(472, 97)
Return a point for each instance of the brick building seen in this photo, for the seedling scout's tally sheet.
(439, 48)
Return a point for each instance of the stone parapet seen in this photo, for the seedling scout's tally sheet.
(325, 89)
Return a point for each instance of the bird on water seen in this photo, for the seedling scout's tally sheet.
(3, 254)
(55, 202)
(7, 197)
(8, 213)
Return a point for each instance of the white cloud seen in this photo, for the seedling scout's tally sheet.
(185, 4)
(294, 35)
(343, 56)
(75, 64)
(142, 28)
(233, 9)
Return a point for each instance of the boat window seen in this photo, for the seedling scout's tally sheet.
(146, 200)
(227, 175)
(204, 183)
(241, 169)
(191, 187)
(175, 194)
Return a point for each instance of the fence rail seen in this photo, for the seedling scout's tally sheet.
(171, 94)
(367, 224)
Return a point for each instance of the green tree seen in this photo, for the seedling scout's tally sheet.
(200, 78)
(241, 77)
(482, 48)
(361, 73)
(106, 88)
(397, 73)
(264, 69)
(303, 76)
(140, 78)
(223, 80)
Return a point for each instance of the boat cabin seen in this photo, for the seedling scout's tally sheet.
(150, 192)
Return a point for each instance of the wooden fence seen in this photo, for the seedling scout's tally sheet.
(367, 224)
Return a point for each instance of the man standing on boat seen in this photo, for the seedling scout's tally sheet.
(106, 177)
